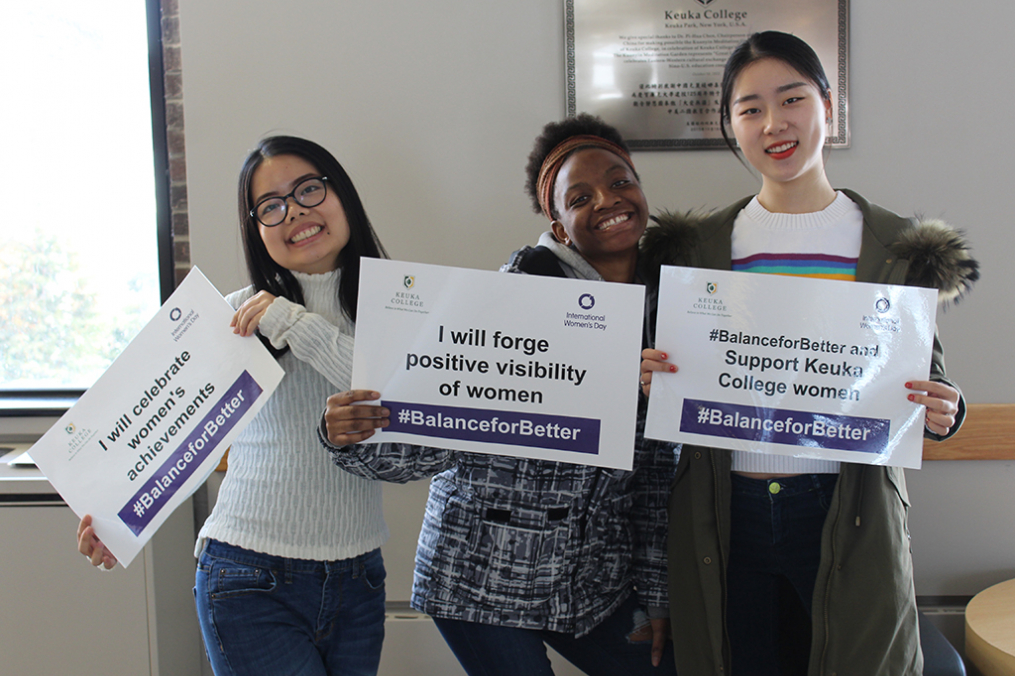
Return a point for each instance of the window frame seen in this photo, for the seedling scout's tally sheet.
(56, 402)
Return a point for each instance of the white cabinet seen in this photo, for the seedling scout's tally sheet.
(58, 615)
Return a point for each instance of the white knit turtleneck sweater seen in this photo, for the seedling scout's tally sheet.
(282, 494)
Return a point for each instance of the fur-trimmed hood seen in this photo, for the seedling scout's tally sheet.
(670, 239)
(938, 258)
(938, 255)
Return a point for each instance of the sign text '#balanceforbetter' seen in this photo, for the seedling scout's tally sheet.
(181, 463)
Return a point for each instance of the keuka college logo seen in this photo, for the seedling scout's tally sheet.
(705, 3)
(77, 437)
(403, 300)
(709, 303)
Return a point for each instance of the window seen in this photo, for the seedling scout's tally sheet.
(84, 218)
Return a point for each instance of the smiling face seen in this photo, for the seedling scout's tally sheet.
(310, 238)
(779, 118)
(601, 208)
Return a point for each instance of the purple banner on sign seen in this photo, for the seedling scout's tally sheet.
(781, 426)
(558, 432)
(184, 461)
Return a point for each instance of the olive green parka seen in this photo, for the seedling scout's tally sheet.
(864, 607)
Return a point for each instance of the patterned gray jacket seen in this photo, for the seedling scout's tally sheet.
(531, 543)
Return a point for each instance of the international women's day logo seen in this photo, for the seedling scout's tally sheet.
(183, 322)
(883, 320)
(584, 319)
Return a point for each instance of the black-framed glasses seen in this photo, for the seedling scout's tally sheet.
(309, 192)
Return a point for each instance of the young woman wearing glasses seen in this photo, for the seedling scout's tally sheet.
(290, 577)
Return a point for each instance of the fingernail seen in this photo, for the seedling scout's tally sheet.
(665, 357)
(673, 369)
(909, 386)
(912, 397)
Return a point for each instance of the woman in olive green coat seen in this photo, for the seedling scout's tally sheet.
(853, 586)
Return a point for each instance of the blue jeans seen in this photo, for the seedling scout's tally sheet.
(262, 614)
(775, 548)
(488, 650)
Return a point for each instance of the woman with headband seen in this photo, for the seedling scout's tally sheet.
(591, 225)
(517, 554)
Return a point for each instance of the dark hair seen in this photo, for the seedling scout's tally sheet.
(556, 133)
(787, 48)
(265, 273)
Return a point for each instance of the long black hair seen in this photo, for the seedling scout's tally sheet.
(265, 273)
(784, 47)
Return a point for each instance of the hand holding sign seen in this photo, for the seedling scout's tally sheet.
(91, 546)
(941, 401)
(349, 423)
(653, 360)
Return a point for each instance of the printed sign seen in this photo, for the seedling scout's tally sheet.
(792, 366)
(149, 432)
(520, 365)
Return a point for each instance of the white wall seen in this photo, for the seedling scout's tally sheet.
(433, 107)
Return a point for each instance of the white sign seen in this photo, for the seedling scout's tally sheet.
(792, 366)
(155, 425)
(520, 365)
